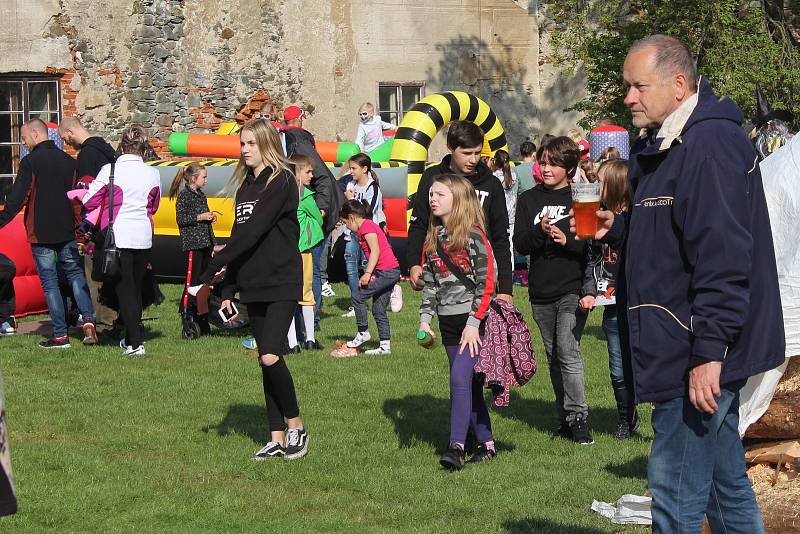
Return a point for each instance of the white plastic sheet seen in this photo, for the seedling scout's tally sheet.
(781, 175)
(629, 510)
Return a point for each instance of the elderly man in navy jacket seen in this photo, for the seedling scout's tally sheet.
(699, 284)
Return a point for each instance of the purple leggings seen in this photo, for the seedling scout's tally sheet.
(467, 404)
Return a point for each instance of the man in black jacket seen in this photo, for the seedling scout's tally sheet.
(465, 142)
(328, 196)
(94, 152)
(45, 175)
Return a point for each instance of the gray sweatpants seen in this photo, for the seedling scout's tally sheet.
(561, 325)
(380, 290)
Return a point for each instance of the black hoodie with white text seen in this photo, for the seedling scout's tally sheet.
(555, 270)
(492, 198)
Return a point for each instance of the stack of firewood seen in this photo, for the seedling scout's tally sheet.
(775, 456)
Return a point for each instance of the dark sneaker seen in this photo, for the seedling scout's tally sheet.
(55, 343)
(580, 430)
(453, 459)
(270, 450)
(623, 431)
(296, 443)
(89, 333)
(312, 345)
(483, 455)
(293, 350)
(563, 431)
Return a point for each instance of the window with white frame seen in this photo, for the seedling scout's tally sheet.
(396, 98)
(22, 98)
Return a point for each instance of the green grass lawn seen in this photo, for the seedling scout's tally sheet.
(162, 443)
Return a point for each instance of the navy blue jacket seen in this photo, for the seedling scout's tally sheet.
(699, 280)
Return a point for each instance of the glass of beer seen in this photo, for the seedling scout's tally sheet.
(585, 203)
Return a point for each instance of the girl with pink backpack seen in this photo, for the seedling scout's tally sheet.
(456, 247)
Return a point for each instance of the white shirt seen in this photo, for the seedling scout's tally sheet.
(369, 135)
(137, 193)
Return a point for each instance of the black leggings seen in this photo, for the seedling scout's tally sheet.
(270, 322)
(133, 263)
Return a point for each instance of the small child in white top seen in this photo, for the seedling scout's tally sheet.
(369, 135)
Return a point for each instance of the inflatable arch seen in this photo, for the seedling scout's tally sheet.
(421, 124)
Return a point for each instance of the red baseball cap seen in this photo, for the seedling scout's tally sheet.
(585, 148)
(292, 112)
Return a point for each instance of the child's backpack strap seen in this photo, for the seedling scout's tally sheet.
(455, 269)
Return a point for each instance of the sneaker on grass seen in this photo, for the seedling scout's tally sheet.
(384, 348)
(580, 430)
(626, 428)
(273, 449)
(360, 339)
(351, 312)
(89, 333)
(484, 454)
(249, 343)
(55, 343)
(296, 443)
(396, 299)
(327, 290)
(453, 459)
(6, 329)
(343, 351)
(131, 351)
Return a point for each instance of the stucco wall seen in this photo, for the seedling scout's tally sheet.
(182, 65)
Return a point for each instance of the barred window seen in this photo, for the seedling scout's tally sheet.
(23, 97)
(396, 98)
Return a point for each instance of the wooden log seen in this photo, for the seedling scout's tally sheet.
(781, 420)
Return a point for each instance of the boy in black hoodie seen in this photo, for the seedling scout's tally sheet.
(465, 142)
(557, 265)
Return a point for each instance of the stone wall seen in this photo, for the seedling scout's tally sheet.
(190, 64)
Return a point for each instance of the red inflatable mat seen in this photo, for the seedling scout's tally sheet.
(14, 244)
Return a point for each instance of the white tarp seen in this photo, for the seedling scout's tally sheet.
(629, 510)
(781, 175)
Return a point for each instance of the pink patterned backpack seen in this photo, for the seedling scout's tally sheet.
(506, 356)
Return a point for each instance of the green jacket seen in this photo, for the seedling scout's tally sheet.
(310, 219)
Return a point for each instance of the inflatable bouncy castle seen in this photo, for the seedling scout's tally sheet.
(399, 164)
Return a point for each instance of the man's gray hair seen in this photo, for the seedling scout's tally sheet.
(671, 57)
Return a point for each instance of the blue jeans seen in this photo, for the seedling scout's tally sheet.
(318, 252)
(697, 467)
(354, 257)
(611, 329)
(64, 256)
